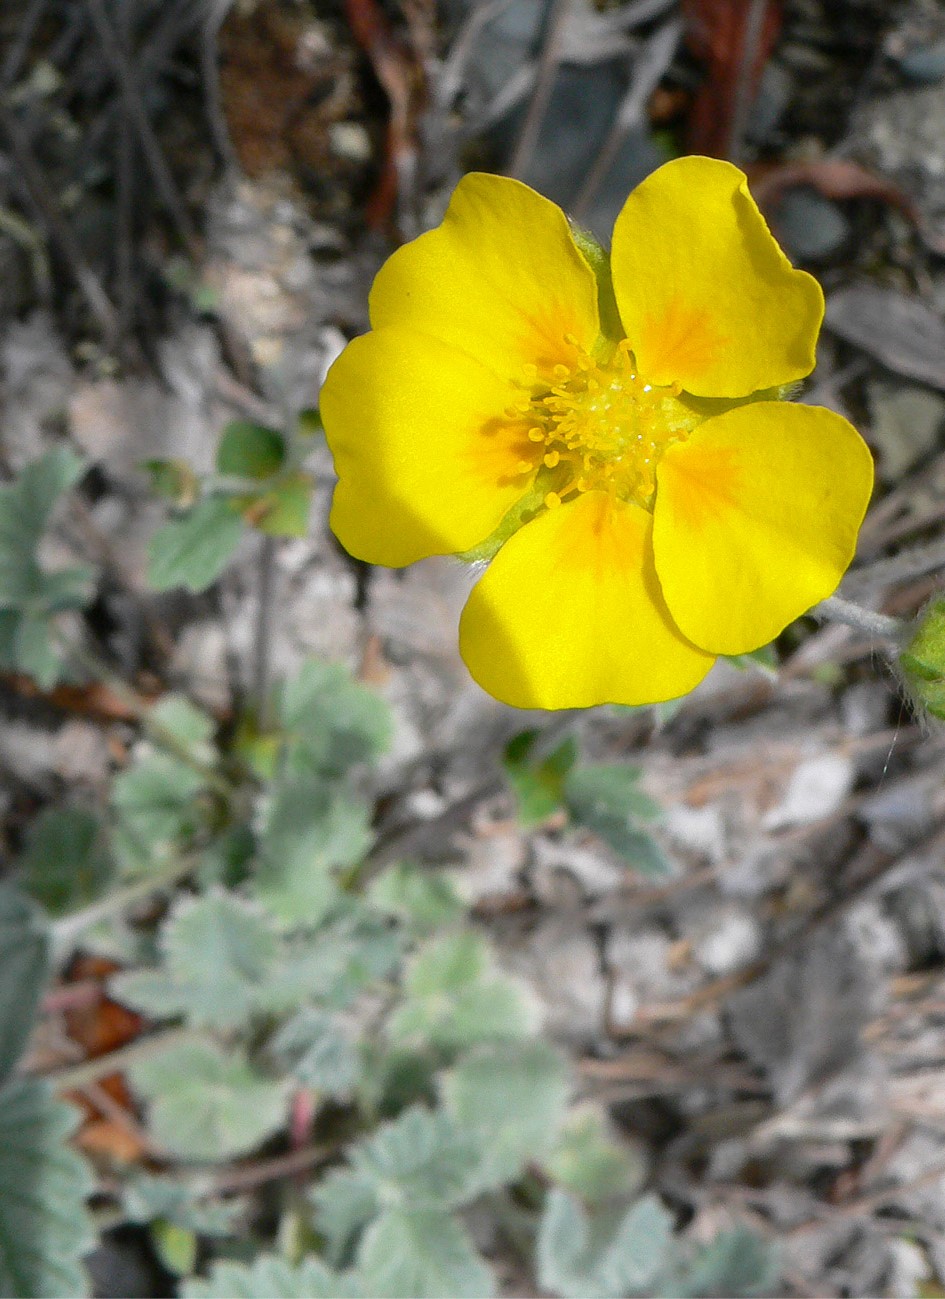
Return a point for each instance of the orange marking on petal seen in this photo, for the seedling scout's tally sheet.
(681, 338)
(707, 483)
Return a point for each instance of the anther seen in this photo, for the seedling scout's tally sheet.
(536, 435)
(552, 500)
(552, 458)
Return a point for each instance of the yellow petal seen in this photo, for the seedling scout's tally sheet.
(501, 278)
(756, 519)
(705, 294)
(427, 462)
(569, 614)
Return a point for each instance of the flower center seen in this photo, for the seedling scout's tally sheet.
(600, 427)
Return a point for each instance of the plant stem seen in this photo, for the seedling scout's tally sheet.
(80, 1075)
(262, 650)
(65, 930)
(836, 609)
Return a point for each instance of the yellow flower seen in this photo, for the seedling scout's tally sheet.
(607, 432)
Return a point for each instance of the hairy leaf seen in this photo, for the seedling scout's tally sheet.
(23, 960)
(207, 1103)
(426, 900)
(453, 997)
(604, 797)
(601, 1258)
(317, 1049)
(193, 551)
(309, 832)
(271, 1277)
(421, 1254)
(511, 1097)
(332, 721)
(420, 1160)
(737, 1262)
(219, 951)
(44, 1228)
(590, 1159)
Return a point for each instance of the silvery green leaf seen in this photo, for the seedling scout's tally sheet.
(220, 953)
(424, 899)
(317, 1049)
(24, 953)
(207, 1103)
(344, 1201)
(45, 1230)
(309, 833)
(271, 1277)
(332, 721)
(154, 800)
(511, 1098)
(193, 551)
(737, 1262)
(420, 1160)
(453, 996)
(591, 1160)
(147, 1197)
(602, 1257)
(421, 1254)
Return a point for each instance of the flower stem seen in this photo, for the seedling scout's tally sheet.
(836, 609)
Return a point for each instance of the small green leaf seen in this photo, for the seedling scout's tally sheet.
(174, 480)
(602, 1257)
(45, 1230)
(155, 804)
(64, 861)
(146, 1198)
(271, 1277)
(24, 954)
(219, 954)
(604, 797)
(420, 1160)
(332, 722)
(511, 1097)
(309, 833)
(538, 785)
(316, 1048)
(175, 1246)
(737, 1262)
(283, 509)
(193, 551)
(422, 1254)
(25, 509)
(424, 899)
(590, 1159)
(207, 1103)
(250, 450)
(344, 1201)
(310, 423)
(34, 652)
(453, 996)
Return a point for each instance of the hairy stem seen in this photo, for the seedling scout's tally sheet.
(837, 609)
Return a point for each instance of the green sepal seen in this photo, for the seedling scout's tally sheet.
(922, 662)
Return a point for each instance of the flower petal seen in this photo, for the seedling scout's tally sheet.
(756, 519)
(427, 461)
(706, 296)
(501, 278)
(569, 614)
